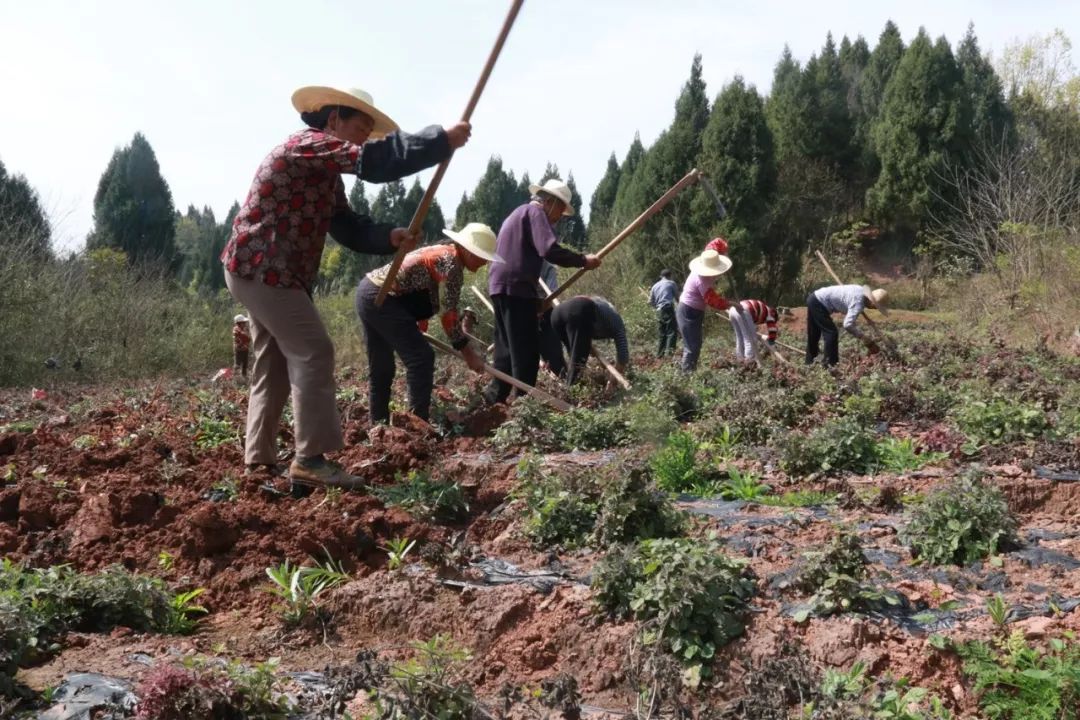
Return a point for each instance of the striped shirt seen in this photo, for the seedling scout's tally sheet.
(849, 299)
(761, 313)
(421, 271)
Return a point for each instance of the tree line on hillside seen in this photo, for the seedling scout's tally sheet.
(859, 143)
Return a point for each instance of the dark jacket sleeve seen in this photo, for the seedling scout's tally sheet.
(360, 233)
(558, 255)
(400, 154)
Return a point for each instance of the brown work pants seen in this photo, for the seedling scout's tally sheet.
(292, 353)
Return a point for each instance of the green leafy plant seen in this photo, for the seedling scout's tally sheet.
(691, 596)
(799, 498)
(837, 445)
(184, 614)
(999, 420)
(299, 588)
(960, 522)
(425, 498)
(902, 455)
(430, 684)
(562, 508)
(675, 466)
(84, 442)
(851, 694)
(397, 550)
(632, 508)
(743, 486)
(998, 609)
(212, 432)
(1015, 681)
(166, 560)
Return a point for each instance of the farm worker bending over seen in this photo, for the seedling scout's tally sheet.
(272, 260)
(698, 293)
(754, 313)
(526, 238)
(586, 318)
(847, 299)
(413, 298)
(662, 299)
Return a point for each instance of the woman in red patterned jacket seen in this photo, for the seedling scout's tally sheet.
(272, 260)
(413, 298)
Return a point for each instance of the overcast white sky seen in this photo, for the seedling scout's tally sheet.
(208, 81)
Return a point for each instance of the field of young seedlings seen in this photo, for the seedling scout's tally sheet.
(897, 539)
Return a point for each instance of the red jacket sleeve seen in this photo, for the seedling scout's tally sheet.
(716, 301)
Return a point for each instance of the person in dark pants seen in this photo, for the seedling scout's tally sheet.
(848, 299)
(662, 298)
(413, 298)
(580, 321)
(526, 238)
(551, 349)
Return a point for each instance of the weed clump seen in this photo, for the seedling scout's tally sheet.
(631, 508)
(535, 425)
(961, 522)
(200, 689)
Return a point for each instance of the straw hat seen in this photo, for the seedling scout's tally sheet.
(240, 318)
(558, 190)
(313, 98)
(879, 299)
(710, 264)
(478, 239)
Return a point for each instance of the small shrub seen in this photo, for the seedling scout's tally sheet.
(631, 508)
(584, 429)
(562, 508)
(999, 420)
(691, 596)
(960, 522)
(838, 445)
(425, 498)
(431, 684)
(842, 556)
(846, 694)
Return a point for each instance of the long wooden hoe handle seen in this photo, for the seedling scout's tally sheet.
(688, 179)
(535, 392)
(429, 195)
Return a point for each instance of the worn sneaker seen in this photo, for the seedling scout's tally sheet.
(322, 473)
(265, 470)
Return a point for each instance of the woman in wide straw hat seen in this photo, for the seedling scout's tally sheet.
(412, 299)
(272, 261)
(698, 293)
(848, 299)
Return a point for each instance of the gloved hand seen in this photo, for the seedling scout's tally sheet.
(422, 324)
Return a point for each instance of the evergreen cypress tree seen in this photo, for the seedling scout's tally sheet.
(925, 122)
(991, 118)
(133, 207)
(603, 197)
(23, 223)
